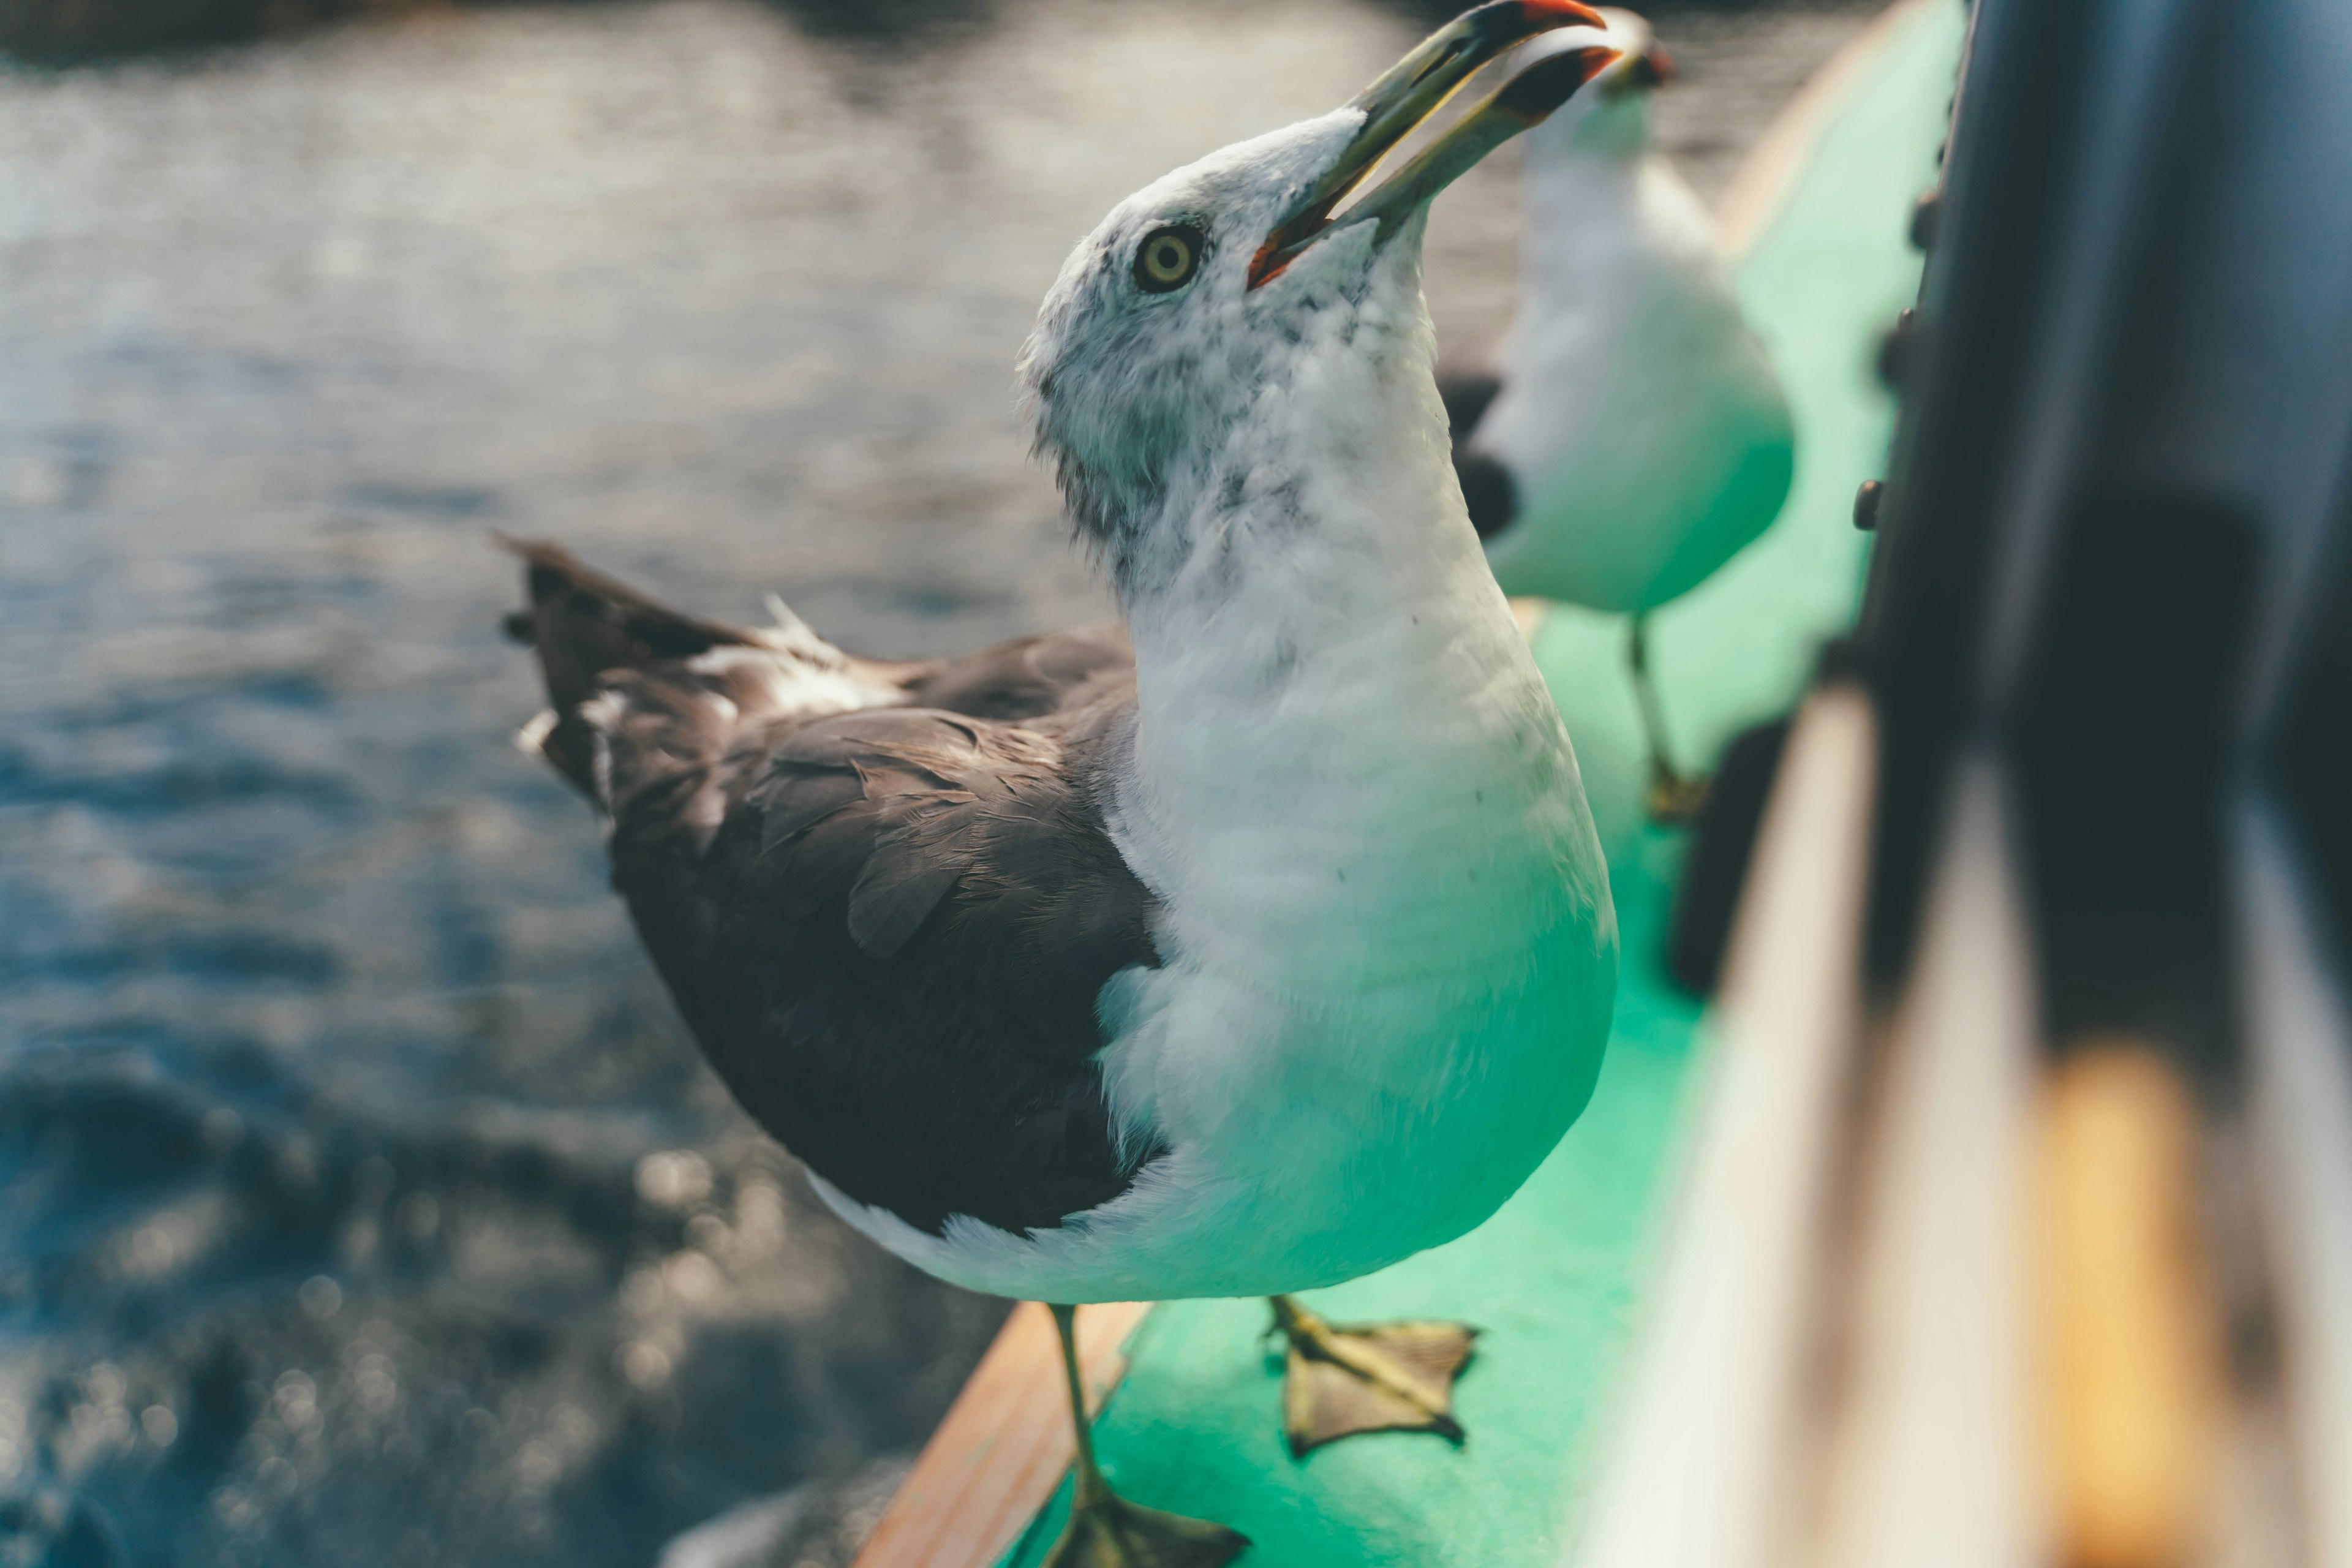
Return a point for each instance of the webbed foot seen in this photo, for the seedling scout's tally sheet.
(1108, 1532)
(1368, 1377)
(1673, 799)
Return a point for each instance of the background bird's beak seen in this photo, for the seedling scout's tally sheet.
(1525, 100)
(1410, 90)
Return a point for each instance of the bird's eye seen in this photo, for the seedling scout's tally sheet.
(1168, 259)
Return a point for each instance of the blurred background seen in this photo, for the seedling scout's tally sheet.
(361, 1199)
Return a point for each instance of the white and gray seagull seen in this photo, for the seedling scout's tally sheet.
(1248, 949)
(1638, 437)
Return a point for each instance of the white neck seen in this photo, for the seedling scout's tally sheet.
(1347, 768)
(1605, 126)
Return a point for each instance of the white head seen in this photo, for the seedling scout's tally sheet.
(1229, 283)
(1609, 119)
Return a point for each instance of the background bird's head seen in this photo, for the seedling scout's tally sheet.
(1612, 119)
(1238, 281)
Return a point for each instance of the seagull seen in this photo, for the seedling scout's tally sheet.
(1247, 947)
(1639, 438)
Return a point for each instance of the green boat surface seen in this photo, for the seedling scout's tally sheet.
(1554, 1279)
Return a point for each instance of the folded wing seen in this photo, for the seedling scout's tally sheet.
(882, 895)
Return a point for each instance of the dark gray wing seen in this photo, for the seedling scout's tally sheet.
(886, 928)
(1029, 678)
(891, 948)
(1467, 396)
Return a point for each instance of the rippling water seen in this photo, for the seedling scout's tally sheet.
(361, 1201)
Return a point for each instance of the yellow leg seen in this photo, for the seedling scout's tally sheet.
(1106, 1530)
(1673, 797)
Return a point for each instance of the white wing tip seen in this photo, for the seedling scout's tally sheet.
(785, 620)
(532, 739)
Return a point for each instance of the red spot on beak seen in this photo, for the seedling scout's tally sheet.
(1568, 8)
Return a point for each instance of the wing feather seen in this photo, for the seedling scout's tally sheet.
(886, 927)
(891, 949)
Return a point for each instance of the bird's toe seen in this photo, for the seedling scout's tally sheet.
(1374, 1377)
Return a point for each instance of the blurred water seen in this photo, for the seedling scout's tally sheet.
(361, 1201)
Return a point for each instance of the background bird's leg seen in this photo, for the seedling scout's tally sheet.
(1368, 1377)
(1106, 1530)
(1672, 796)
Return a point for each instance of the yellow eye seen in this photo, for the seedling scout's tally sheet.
(1167, 258)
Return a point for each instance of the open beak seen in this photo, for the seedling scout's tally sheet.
(1410, 90)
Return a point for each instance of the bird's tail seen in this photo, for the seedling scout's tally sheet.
(587, 629)
(643, 697)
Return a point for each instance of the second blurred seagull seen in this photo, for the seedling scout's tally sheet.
(1639, 438)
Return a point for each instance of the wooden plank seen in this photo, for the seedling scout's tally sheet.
(1003, 1446)
(2132, 1342)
